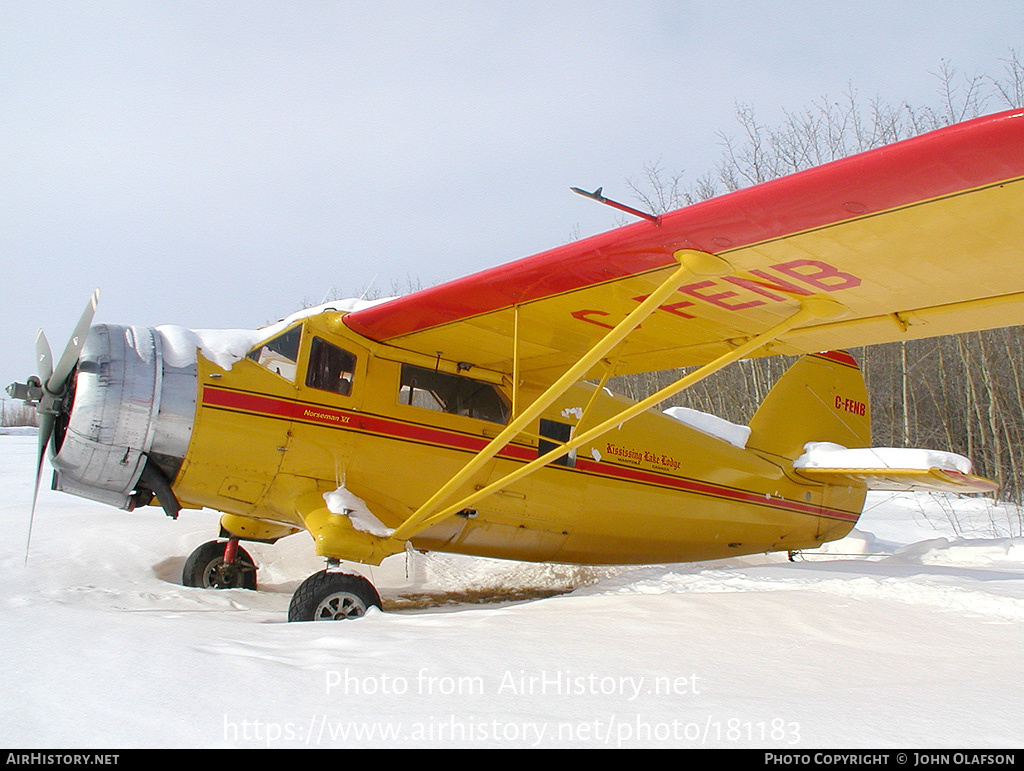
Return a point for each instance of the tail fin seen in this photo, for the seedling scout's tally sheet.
(821, 398)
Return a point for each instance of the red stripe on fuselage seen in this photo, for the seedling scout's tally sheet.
(350, 420)
(705, 488)
(273, 407)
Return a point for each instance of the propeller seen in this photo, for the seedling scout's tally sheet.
(57, 381)
(48, 390)
(44, 359)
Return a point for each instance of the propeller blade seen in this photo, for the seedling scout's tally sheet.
(46, 423)
(70, 356)
(44, 359)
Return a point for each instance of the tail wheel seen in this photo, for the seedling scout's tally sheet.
(206, 568)
(331, 596)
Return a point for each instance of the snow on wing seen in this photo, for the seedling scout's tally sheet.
(915, 239)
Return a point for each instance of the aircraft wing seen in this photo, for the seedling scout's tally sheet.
(915, 239)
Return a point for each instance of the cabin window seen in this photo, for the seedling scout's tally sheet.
(280, 354)
(330, 368)
(453, 394)
(560, 433)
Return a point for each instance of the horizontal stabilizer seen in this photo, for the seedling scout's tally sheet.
(890, 468)
(921, 480)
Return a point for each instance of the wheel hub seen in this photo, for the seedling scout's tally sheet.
(221, 575)
(339, 605)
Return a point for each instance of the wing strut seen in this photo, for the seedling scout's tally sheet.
(815, 307)
(690, 262)
(608, 370)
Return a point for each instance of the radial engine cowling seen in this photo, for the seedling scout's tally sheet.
(129, 423)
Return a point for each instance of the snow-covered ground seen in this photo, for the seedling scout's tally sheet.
(906, 634)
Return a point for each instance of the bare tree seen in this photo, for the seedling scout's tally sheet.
(963, 393)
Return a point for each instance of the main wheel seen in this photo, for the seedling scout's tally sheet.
(327, 596)
(205, 568)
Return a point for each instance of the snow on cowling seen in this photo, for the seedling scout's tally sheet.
(224, 347)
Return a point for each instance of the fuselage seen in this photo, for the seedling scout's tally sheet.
(326, 409)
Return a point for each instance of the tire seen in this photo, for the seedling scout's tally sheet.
(205, 569)
(327, 596)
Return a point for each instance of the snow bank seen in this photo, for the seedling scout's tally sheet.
(104, 647)
(857, 542)
(829, 455)
(965, 551)
(18, 431)
(712, 425)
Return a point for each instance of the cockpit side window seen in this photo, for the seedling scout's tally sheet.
(330, 368)
(452, 393)
(280, 354)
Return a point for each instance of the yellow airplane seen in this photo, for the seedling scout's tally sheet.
(474, 417)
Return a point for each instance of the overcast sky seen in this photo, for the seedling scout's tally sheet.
(221, 164)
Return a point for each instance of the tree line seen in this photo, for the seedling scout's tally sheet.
(961, 393)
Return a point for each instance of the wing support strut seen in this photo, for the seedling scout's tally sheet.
(690, 262)
(816, 307)
(608, 370)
